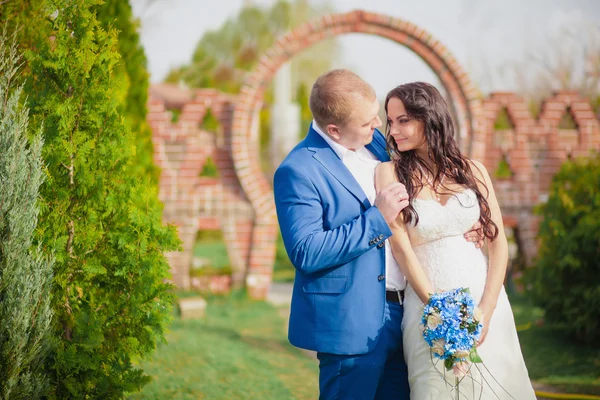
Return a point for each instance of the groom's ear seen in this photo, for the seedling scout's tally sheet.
(333, 131)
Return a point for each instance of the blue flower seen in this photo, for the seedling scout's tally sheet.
(455, 308)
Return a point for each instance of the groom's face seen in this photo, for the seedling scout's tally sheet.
(359, 129)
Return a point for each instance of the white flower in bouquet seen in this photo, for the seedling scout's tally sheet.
(438, 347)
(434, 320)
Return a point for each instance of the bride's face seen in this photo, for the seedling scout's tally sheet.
(408, 133)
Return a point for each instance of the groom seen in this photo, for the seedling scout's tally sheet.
(348, 291)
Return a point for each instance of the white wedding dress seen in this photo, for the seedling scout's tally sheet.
(452, 262)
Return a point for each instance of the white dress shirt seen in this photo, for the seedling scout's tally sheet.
(361, 164)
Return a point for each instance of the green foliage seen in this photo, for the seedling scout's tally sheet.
(210, 270)
(596, 104)
(175, 114)
(283, 271)
(213, 251)
(29, 19)
(210, 169)
(535, 107)
(101, 220)
(565, 280)
(302, 98)
(117, 14)
(224, 56)
(503, 121)
(503, 171)
(567, 121)
(28, 22)
(552, 358)
(25, 273)
(265, 129)
(210, 122)
(281, 257)
(242, 353)
(209, 236)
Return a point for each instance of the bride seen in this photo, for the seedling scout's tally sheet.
(449, 193)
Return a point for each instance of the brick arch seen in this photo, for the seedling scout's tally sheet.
(464, 100)
(535, 150)
(191, 202)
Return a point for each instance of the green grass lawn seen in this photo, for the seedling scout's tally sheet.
(238, 351)
(283, 273)
(213, 250)
(553, 359)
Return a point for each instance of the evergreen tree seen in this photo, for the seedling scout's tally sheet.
(25, 274)
(101, 220)
(223, 56)
(117, 14)
(569, 245)
(25, 20)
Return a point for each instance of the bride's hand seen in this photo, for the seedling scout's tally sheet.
(487, 316)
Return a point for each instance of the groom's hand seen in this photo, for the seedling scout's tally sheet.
(392, 199)
(475, 235)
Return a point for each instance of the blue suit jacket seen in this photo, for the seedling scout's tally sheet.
(335, 239)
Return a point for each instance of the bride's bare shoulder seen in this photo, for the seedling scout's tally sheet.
(384, 174)
(480, 171)
(385, 168)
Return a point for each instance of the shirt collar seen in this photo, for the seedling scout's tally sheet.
(342, 151)
(337, 148)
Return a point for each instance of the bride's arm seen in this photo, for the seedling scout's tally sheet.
(497, 248)
(400, 242)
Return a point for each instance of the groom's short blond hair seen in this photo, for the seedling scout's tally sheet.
(334, 95)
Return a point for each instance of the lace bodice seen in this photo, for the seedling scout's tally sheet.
(439, 244)
(437, 221)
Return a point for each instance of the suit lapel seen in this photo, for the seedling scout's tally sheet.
(325, 155)
(336, 167)
(378, 147)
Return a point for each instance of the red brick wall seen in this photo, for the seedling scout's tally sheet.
(534, 148)
(241, 200)
(194, 203)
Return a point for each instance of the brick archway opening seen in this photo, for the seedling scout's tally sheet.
(464, 100)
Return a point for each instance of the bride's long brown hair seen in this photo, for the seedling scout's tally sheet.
(424, 102)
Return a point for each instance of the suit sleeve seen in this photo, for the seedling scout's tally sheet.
(310, 247)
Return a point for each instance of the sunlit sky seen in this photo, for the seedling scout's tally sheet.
(493, 41)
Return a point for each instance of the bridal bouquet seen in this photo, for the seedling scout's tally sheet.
(451, 327)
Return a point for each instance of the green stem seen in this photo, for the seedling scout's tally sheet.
(457, 389)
